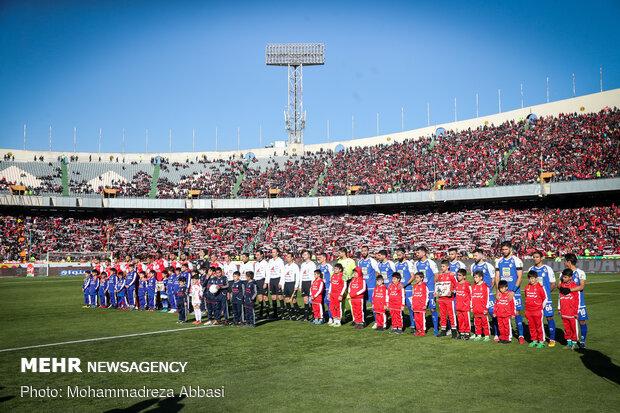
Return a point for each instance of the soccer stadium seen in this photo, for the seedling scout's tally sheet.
(462, 263)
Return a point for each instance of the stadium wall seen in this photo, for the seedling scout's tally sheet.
(529, 191)
(582, 104)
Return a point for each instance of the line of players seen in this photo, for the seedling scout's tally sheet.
(508, 269)
(281, 280)
(179, 291)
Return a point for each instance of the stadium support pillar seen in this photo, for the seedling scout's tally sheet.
(65, 178)
(234, 191)
(154, 179)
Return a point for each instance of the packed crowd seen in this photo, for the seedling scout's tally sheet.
(216, 180)
(569, 146)
(139, 186)
(379, 169)
(34, 236)
(592, 231)
(296, 178)
(596, 229)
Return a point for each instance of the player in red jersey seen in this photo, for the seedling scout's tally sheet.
(569, 308)
(172, 261)
(463, 304)
(30, 270)
(535, 300)
(379, 302)
(396, 303)
(357, 290)
(445, 284)
(480, 304)
(504, 310)
(419, 303)
(317, 289)
(159, 265)
(337, 288)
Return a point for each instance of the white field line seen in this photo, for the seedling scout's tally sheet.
(601, 282)
(104, 338)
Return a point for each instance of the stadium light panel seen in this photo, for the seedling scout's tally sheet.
(295, 54)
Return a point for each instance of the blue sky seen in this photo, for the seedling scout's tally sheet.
(184, 65)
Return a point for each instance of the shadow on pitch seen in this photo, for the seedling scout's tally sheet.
(263, 321)
(5, 398)
(169, 404)
(601, 365)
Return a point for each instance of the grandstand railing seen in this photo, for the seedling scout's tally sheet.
(448, 195)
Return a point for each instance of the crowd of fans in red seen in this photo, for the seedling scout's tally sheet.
(553, 230)
(593, 230)
(26, 236)
(296, 178)
(570, 146)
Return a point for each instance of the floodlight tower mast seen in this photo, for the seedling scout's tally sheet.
(295, 56)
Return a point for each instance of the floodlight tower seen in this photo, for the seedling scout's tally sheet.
(295, 56)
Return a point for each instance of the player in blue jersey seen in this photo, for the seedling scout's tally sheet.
(141, 304)
(187, 274)
(579, 278)
(93, 287)
(405, 268)
(510, 269)
(370, 269)
(121, 291)
(386, 267)
(130, 283)
(222, 282)
(430, 270)
(454, 265)
(151, 290)
(171, 289)
(547, 279)
(327, 270)
(112, 279)
(103, 289)
(488, 276)
(85, 285)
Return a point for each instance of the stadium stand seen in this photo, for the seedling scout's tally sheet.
(565, 147)
(131, 179)
(570, 146)
(213, 179)
(294, 176)
(553, 230)
(136, 236)
(39, 177)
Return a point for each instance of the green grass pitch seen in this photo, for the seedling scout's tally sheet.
(294, 366)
